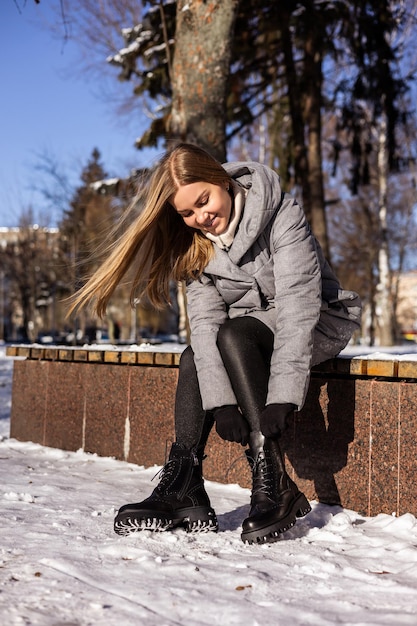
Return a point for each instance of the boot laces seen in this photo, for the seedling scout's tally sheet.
(165, 474)
(262, 477)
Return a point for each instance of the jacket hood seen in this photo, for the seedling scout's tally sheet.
(264, 196)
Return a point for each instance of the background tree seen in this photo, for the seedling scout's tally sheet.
(373, 116)
(293, 65)
(359, 234)
(85, 226)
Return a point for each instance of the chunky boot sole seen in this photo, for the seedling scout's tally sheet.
(200, 519)
(261, 532)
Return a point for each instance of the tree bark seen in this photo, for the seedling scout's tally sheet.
(203, 41)
(295, 100)
(383, 294)
(304, 96)
(312, 117)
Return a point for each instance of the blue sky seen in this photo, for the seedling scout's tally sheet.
(48, 108)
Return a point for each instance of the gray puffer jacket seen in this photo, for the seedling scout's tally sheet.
(274, 271)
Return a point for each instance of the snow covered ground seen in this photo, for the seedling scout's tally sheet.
(61, 564)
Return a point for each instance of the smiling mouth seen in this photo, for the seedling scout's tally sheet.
(209, 224)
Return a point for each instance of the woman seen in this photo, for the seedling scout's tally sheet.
(263, 305)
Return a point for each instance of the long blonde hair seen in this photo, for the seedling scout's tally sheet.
(158, 241)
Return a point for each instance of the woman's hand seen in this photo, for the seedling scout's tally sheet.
(275, 418)
(231, 425)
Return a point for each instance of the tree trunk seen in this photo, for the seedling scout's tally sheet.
(304, 96)
(383, 292)
(204, 32)
(296, 112)
(312, 118)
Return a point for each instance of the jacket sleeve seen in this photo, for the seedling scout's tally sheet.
(207, 312)
(297, 303)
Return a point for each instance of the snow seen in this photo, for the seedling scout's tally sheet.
(61, 563)
(407, 352)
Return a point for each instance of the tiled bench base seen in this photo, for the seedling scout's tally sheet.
(354, 442)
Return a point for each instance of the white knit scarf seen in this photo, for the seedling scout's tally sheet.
(225, 240)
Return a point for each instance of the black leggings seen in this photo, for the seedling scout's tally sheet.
(245, 345)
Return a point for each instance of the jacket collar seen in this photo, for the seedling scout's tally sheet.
(263, 198)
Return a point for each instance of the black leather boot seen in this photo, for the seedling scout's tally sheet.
(179, 499)
(276, 501)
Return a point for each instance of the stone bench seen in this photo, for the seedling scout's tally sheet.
(354, 442)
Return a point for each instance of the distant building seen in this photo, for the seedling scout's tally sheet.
(407, 305)
(28, 281)
(35, 281)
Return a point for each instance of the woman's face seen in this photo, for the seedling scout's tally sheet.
(204, 206)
